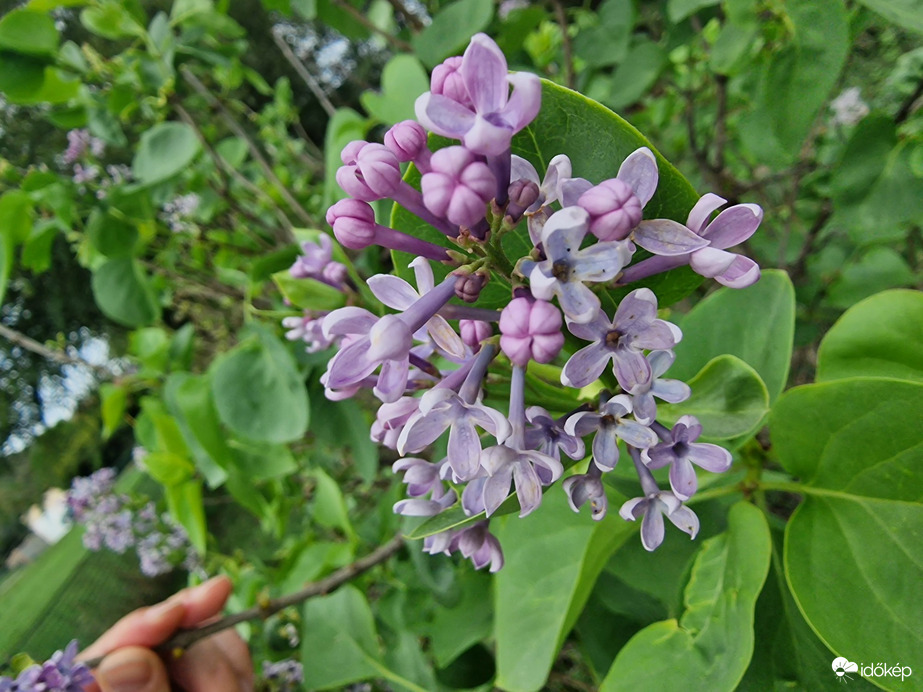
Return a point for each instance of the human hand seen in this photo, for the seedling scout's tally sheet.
(219, 662)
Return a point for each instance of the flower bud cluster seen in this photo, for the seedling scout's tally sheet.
(431, 380)
(58, 674)
(283, 676)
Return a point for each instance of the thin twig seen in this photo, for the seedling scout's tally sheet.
(907, 107)
(182, 640)
(368, 24)
(303, 72)
(55, 354)
(233, 125)
(569, 75)
(409, 17)
(721, 120)
(799, 266)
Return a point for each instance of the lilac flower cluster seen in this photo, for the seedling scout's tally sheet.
(430, 376)
(58, 674)
(117, 522)
(283, 676)
(178, 212)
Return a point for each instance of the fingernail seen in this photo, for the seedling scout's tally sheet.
(159, 611)
(130, 676)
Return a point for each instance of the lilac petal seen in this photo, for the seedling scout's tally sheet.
(392, 380)
(585, 366)
(605, 449)
(443, 116)
(639, 172)
(661, 361)
(743, 272)
(521, 169)
(593, 330)
(685, 520)
(667, 238)
(484, 72)
(582, 424)
(682, 478)
(484, 137)
(576, 496)
(652, 527)
(436, 399)
(423, 273)
(710, 262)
(645, 408)
(496, 554)
(464, 449)
(422, 430)
(528, 488)
(558, 168)
(572, 189)
(658, 335)
(572, 446)
(636, 311)
(350, 320)
(564, 232)
(495, 458)
(602, 261)
(445, 337)
(473, 496)
(492, 421)
(733, 226)
(658, 456)
(424, 508)
(672, 391)
(690, 427)
(546, 467)
(633, 509)
(710, 457)
(524, 102)
(635, 434)
(702, 210)
(393, 291)
(541, 285)
(497, 488)
(578, 302)
(631, 369)
(350, 365)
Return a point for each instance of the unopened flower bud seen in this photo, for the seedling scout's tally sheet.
(473, 332)
(458, 187)
(614, 209)
(531, 330)
(447, 81)
(353, 223)
(351, 151)
(468, 286)
(406, 140)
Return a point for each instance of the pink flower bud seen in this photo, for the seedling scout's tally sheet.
(447, 81)
(353, 223)
(406, 140)
(614, 209)
(458, 187)
(351, 151)
(375, 174)
(531, 330)
(473, 332)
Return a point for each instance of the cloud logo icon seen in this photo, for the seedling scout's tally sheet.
(841, 667)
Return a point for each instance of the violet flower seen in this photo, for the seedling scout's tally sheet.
(421, 478)
(567, 267)
(610, 425)
(681, 451)
(538, 212)
(486, 124)
(473, 332)
(588, 487)
(58, 674)
(317, 263)
(531, 330)
(643, 393)
(652, 507)
(474, 542)
(407, 141)
(633, 329)
(458, 186)
(549, 437)
(391, 419)
(308, 328)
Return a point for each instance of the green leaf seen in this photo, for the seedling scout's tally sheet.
(185, 504)
(607, 43)
(856, 445)
(309, 294)
(343, 425)
(36, 251)
(904, 13)
(113, 401)
(637, 74)
(28, 32)
(863, 162)
(329, 506)
(756, 324)
(111, 235)
(164, 151)
(17, 214)
(796, 80)
(451, 29)
(258, 462)
(713, 640)
(537, 599)
(27, 80)
(189, 398)
(457, 627)
(339, 645)
(678, 10)
(123, 293)
(168, 469)
(402, 81)
(258, 390)
(728, 397)
(877, 269)
(111, 20)
(881, 336)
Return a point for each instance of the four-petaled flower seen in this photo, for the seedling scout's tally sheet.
(681, 451)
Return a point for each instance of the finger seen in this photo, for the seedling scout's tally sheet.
(204, 601)
(237, 653)
(132, 669)
(205, 668)
(143, 627)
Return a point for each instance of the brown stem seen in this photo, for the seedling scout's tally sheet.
(799, 266)
(55, 354)
(721, 121)
(569, 76)
(182, 640)
(364, 21)
(305, 75)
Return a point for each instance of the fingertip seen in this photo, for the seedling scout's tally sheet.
(205, 600)
(132, 669)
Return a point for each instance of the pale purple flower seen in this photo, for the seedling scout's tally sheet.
(614, 209)
(286, 675)
(407, 141)
(391, 419)
(85, 175)
(652, 507)
(317, 263)
(486, 124)
(633, 329)
(353, 223)
(423, 478)
(643, 393)
(308, 328)
(447, 80)
(549, 437)
(680, 450)
(538, 211)
(458, 186)
(610, 425)
(531, 330)
(473, 332)
(566, 268)
(87, 491)
(587, 487)
(58, 674)
(474, 542)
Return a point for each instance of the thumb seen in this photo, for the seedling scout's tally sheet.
(132, 669)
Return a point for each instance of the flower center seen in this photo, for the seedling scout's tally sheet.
(561, 271)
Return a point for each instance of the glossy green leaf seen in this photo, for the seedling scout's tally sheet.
(863, 161)
(113, 401)
(123, 292)
(17, 214)
(28, 32)
(258, 390)
(403, 79)
(451, 29)
(189, 398)
(28, 80)
(185, 504)
(308, 294)
(713, 640)
(167, 468)
(877, 269)
(552, 560)
(329, 506)
(637, 74)
(164, 150)
(111, 235)
(457, 627)
(881, 336)
(678, 10)
(756, 324)
(856, 446)
(905, 13)
(796, 80)
(255, 462)
(110, 19)
(728, 397)
(607, 43)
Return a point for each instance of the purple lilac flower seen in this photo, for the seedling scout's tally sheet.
(531, 330)
(317, 263)
(587, 487)
(643, 393)
(473, 332)
(458, 186)
(566, 268)
(610, 425)
(421, 478)
(487, 122)
(308, 328)
(538, 212)
(86, 491)
(59, 674)
(286, 675)
(633, 329)
(407, 141)
(680, 450)
(353, 223)
(391, 419)
(549, 437)
(474, 542)
(652, 507)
